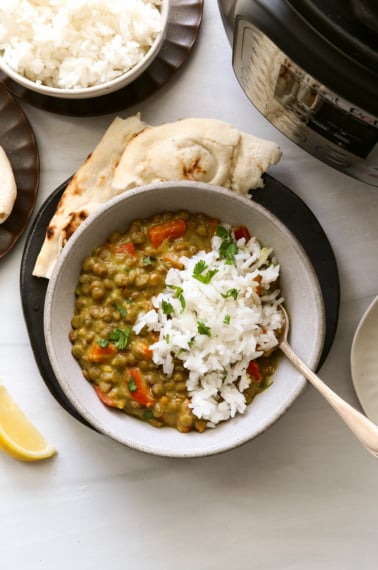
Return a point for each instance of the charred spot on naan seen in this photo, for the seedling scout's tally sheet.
(193, 170)
(75, 219)
(50, 232)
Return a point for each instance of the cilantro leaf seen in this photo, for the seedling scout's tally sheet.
(121, 309)
(120, 337)
(181, 298)
(203, 329)
(103, 342)
(167, 308)
(207, 277)
(198, 272)
(148, 414)
(231, 293)
(227, 319)
(200, 267)
(147, 260)
(132, 384)
(228, 248)
(179, 295)
(222, 232)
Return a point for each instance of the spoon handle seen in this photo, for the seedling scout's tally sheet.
(364, 429)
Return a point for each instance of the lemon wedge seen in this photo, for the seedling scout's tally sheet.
(18, 436)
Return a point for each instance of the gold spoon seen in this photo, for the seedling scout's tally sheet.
(364, 429)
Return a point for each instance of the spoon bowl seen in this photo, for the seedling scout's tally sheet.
(363, 428)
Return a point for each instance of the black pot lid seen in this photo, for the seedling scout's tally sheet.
(335, 42)
(350, 25)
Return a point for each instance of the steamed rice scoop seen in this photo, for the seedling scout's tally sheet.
(73, 44)
(217, 314)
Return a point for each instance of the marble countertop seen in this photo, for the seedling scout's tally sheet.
(303, 495)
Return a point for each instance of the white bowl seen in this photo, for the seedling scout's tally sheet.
(299, 286)
(102, 88)
(364, 361)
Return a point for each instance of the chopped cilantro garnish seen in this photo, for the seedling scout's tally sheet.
(198, 272)
(227, 319)
(228, 248)
(207, 277)
(121, 309)
(228, 251)
(167, 308)
(132, 384)
(147, 260)
(179, 295)
(181, 298)
(203, 329)
(103, 342)
(120, 337)
(199, 267)
(148, 415)
(231, 293)
(222, 232)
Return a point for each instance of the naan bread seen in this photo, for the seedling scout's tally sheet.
(90, 187)
(133, 153)
(205, 150)
(8, 187)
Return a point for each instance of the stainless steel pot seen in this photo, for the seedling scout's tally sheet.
(311, 68)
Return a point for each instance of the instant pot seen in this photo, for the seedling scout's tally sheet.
(311, 68)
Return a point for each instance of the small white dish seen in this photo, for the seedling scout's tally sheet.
(364, 361)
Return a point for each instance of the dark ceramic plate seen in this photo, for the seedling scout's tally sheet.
(281, 201)
(18, 141)
(183, 26)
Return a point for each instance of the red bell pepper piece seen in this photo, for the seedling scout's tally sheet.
(105, 398)
(127, 248)
(171, 229)
(100, 354)
(242, 232)
(138, 388)
(213, 223)
(253, 370)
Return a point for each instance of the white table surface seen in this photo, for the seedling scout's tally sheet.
(302, 496)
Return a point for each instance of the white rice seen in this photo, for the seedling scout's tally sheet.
(76, 43)
(241, 327)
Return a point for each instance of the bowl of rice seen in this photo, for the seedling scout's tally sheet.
(216, 313)
(80, 49)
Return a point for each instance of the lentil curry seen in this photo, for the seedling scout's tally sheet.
(117, 282)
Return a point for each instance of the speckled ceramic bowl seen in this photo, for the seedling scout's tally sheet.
(299, 286)
(364, 361)
(102, 88)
